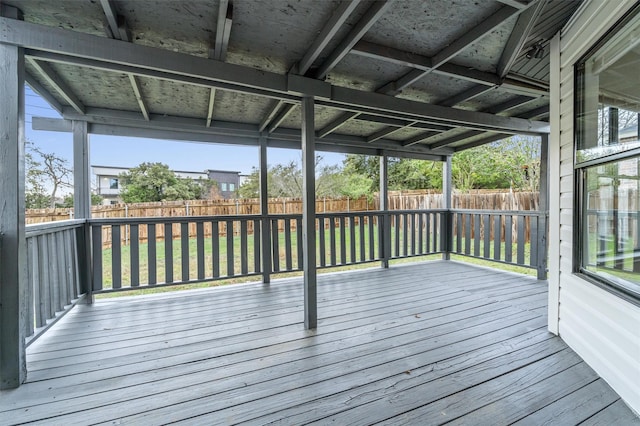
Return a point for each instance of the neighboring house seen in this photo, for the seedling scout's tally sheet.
(228, 182)
(108, 181)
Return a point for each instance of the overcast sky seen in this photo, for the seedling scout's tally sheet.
(129, 152)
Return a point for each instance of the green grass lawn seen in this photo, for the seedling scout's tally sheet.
(222, 261)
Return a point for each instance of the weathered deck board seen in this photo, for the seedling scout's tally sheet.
(417, 344)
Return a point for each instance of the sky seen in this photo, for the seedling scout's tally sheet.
(129, 152)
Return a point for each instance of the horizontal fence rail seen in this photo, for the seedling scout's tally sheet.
(54, 279)
(511, 237)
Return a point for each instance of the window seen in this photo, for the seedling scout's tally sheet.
(608, 161)
(232, 187)
(223, 186)
(113, 183)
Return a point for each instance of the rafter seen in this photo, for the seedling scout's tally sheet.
(48, 73)
(466, 95)
(518, 37)
(342, 12)
(424, 65)
(449, 102)
(223, 30)
(335, 124)
(103, 53)
(400, 57)
(135, 85)
(271, 114)
(282, 115)
(332, 26)
(531, 114)
(44, 93)
(514, 3)
(117, 29)
(221, 44)
(501, 107)
(116, 24)
(212, 101)
(371, 16)
(453, 49)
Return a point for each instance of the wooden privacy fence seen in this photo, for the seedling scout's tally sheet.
(398, 200)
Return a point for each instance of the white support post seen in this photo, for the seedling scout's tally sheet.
(384, 207)
(13, 254)
(309, 213)
(264, 212)
(447, 227)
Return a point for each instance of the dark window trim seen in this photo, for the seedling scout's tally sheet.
(579, 171)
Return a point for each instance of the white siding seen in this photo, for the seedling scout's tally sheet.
(602, 328)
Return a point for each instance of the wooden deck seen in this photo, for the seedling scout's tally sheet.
(424, 343)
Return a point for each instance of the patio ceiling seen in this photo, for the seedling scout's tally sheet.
(407, 78)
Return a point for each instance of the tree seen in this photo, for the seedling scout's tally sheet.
(402, 173)
(285, 180)
(151, 182)
(67, 201)
(45, 174)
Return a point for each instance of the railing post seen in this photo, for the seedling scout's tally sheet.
(384, 207)
(544, 208)
(85, 260)
(447, 222)
(264, 213)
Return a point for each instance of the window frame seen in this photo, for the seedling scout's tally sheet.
(581, 167)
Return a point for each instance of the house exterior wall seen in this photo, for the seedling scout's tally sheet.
(600, 326)
(106, 175)
(228, 182)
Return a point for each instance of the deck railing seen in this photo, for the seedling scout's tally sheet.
(132, 253)
(55, 272)
(169, 255)
(511, 237)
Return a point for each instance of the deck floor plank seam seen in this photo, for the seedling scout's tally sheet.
(432, 342)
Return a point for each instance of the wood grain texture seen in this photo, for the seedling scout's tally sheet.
(398, 345)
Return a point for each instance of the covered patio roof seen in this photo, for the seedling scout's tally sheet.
(404, 78)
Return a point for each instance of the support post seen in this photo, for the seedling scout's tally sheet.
(447, 221)
(543, 207)
(81, 175)
(82, 203)
(384, 208)
(309, 213)
(264, 212)
(13, 254)
(553, 196)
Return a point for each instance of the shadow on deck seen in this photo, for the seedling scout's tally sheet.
(426, 343)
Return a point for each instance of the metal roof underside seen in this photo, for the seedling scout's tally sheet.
(410, 78)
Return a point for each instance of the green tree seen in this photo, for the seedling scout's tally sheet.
(285, 180)
(67, 201)
(403, 173)
(151, 182)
